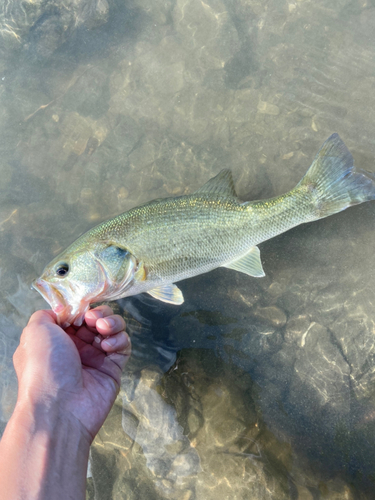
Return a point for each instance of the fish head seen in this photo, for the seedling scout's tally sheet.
(82, 275)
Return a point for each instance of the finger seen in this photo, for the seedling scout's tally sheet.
(110, 364)
(42, 317)
(120, 359)
(80, 344)
(97, 343)
(119, 342)
(110, 325)
(39, 320)
(93, 315)
(86, 335)
(89, 349)
(71, 330)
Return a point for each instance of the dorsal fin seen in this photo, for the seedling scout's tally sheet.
(222, 184)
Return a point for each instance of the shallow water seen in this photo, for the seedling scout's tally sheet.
(252, 389)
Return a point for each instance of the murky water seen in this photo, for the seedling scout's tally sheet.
(253, 389)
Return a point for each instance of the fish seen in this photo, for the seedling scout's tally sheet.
(155, 245)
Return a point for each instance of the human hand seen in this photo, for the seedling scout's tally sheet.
(73, 373)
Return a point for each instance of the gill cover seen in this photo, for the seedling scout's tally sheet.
(119, 267)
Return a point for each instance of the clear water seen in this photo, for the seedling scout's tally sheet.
(253, 389)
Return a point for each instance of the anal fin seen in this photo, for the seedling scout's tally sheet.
(249, 263)
(170, 294)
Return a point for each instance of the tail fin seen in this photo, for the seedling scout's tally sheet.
(333, 180)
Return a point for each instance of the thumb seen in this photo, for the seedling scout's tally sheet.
(45, 316)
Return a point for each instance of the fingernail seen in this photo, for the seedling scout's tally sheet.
(93, 315)
(107, 322)
(110, 342)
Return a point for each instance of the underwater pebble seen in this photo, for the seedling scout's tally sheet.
(277, 288)
(86, 195)
(183, 465)
(304, 493)
(76, 131)
(150, 377)
(336, 489)
(268, 108)
(194, 422)
(175, 448)
(288, 155)
(166, 484)
(122, 195)
(187, 495)
(272, 315)
(249, 299)
(314, 125)
(296, 327)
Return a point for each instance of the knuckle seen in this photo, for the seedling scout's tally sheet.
(106, 310)
(35, 316)
(119, 319)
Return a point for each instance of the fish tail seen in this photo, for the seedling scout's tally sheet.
(334, 182)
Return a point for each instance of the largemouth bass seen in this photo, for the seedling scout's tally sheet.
(153, 246)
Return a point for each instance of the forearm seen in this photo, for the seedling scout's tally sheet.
(42, 456)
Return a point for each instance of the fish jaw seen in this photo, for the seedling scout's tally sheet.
(68, 312)
(51, 295)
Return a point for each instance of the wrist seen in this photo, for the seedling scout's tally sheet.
(47, 417)
(44, 453)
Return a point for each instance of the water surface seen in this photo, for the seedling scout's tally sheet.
(252, 389)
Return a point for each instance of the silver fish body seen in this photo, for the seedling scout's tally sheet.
(153, 246)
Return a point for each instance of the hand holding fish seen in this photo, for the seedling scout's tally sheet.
(68, 381)
(76, 371)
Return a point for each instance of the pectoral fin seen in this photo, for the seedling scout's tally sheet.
(248, 264)
(170, 294)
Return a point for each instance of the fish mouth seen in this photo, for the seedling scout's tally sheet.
(66, 314)
(50, 294)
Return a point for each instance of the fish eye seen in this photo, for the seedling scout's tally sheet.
(62, 269)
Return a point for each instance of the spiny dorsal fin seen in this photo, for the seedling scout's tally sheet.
(249, 264)
(170, 294)
(222, 184)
